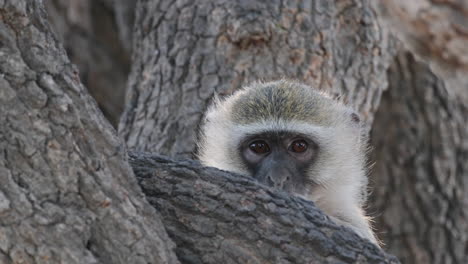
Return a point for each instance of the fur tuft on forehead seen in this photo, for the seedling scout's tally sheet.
(281, 100)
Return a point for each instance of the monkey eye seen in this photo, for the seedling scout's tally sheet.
(259, 147)
(298, 146)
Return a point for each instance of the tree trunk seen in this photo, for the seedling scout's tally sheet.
(96, 35)
(67, 193)
(185, 51)
(421, 134)
(420, 179)
(220, 217)
(435, 30)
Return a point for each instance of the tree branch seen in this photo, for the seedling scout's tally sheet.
(220, 217)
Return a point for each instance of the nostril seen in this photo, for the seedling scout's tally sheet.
(270, 181)
(277, 182)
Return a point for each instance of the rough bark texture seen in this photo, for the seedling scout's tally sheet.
(89, 30)
(184, 51)
(435, 30)
(67, 193)
(219, 217)
(420, 178)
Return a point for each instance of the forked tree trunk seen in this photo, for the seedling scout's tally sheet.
(185, 51)
(67, 193)
(95, 34)
(421, 134)
(420, 183)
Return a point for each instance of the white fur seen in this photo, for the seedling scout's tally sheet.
(339, 168)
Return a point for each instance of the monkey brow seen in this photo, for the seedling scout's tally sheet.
(276, 103)
(274, 134)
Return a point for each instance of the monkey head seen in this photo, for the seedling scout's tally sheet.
(285, 135)
(289, 136)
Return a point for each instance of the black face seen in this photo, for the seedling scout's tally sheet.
(280, 159)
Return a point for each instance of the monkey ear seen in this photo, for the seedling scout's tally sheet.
(223, 95)
(356, 123)
(355, 117)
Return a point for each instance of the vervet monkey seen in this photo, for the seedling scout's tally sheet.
(291, 137)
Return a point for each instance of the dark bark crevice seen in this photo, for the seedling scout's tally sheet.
(97, 39)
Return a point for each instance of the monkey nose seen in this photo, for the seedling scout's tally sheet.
(278, 179)
(280, 184)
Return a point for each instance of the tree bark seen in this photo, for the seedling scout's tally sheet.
(97, 37)
(67, 193)
(220, 217)
(420, 183)
(185, 51)
(434, 30)
(420, 134)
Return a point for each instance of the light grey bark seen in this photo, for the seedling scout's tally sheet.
(420, 183)
(219, 217)
(185, 51)
(435, 30)
(421, 134)
(97, 39)
(53, 161)
(67, 193)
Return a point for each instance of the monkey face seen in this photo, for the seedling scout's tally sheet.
(280, 159)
